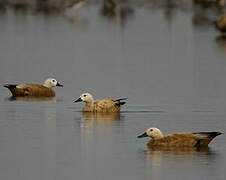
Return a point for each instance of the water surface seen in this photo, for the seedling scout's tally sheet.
(166, 58)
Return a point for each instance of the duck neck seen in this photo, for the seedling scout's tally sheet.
(47, 85)
(158, 135)
(89, 104)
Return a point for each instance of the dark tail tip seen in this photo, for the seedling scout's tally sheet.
(212, 134)
(10, 86)
(217, 133)
(121, 99)
(122, 103)
(6, 85)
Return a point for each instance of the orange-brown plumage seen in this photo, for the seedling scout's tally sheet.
(33, 90)
(189, 139)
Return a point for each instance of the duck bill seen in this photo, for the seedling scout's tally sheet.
(78, 100)
(143, 135)
(60, 85)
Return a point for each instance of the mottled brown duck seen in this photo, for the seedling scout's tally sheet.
(107, 105)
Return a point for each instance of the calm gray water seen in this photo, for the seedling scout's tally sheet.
(166, 58)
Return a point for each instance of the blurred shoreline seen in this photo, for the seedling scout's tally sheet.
(204, 11)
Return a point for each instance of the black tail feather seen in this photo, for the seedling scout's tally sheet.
(120, 101)
(210, 134)
(10, 86)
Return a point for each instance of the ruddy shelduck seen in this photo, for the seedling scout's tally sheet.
(104, 105)
(182, 139)
(34, 90)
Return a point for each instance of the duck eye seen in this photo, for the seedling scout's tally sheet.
(84, 95)
(54, 80)
(151, 129)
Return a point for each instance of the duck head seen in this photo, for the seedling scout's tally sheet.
(51, 82)
(152, 132)
(85, 97)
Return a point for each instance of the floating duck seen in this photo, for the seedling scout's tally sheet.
(189, 139)
(103, 105)
(34, 90)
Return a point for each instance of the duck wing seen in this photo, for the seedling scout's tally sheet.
(176, 140)
(106, 105)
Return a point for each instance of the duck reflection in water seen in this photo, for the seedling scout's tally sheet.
(33, 99)
(90, 121)
(177, 150)
(157, 156)
(109, 118)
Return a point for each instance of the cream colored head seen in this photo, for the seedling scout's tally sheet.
(152, 132)
(51, 82)
(85, 97)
